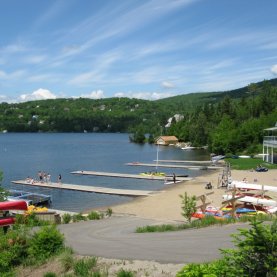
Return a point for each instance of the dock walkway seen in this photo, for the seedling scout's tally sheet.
(202, 167)
(124, 175)
(122, 192)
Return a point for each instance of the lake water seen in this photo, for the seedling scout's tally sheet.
(24, 154)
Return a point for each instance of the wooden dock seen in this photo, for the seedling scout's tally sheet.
(186, 162)
(202, 167)
(124, 175)
(122, 192)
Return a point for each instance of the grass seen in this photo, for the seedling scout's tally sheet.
(249, 163)
(201, 223)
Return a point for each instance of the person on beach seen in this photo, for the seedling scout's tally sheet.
(174, 178)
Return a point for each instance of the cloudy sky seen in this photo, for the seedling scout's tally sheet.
(146, 49)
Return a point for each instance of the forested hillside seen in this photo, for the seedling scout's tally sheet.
(228, 121)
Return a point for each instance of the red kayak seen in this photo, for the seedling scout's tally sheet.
(7, 221)
(13, 205)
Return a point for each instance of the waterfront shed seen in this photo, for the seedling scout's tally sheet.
(166, 140)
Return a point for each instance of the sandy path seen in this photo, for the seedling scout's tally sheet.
(167, 204)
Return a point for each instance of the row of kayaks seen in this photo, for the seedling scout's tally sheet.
(8, 206)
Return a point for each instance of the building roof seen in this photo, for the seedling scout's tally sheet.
(168, 138)
(271, 129)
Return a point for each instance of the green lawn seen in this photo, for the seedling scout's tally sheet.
(251, 163)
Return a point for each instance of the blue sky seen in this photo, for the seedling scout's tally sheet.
(135, 48)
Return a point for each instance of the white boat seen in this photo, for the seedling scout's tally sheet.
(243, 185)
(253, 200)
(244, 157)
(188, 148)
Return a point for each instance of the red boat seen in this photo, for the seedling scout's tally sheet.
(13, 205)
(7, 221)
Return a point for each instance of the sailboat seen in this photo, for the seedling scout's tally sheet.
(154, 173)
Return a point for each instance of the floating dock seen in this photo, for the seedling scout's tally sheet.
(122, 192)
(31, 198)
(186, 162)
(202, 167)
(134, 176)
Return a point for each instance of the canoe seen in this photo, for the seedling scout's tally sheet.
(254, 200)
(201, 215)
(13, 205)
(243, 185)
(7, 221)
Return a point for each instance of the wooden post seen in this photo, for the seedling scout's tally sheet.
(203, 199)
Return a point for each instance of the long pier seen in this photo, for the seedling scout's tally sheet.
(124, 175)
(186, 162)
(203, 167)
(122, 192)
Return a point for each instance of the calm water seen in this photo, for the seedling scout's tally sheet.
(23, 155)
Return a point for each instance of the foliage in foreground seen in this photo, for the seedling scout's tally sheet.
(19, 246)
(255, 255)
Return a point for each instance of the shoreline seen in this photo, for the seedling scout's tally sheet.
(166, 205)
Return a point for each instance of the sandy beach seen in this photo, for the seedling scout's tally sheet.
(166, 205)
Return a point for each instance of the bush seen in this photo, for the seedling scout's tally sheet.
(93, 215)
(83, 267)
(109, 212)
(124, 273)
(78, 217)
(255, 255)
(67, 259)
(50, 274)
(66, 218)
(13, 249)
(30, 220)
(46, 242)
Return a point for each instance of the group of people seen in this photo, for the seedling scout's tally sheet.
(43, 177)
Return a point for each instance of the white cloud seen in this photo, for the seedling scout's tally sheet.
(145, 95)
(274, 69)
(96, 94)
(40, 94)
(34, 59)
(3, 74)
(167, 84)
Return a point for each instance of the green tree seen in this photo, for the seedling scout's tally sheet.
(256, 252)
(188, 206)
(255, 255)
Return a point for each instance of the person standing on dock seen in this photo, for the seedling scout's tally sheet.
(60, 179)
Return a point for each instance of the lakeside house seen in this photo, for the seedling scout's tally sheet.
(270, 145)
(166, 140)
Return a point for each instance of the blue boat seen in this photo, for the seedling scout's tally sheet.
(30, 198)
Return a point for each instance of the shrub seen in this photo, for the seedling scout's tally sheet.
(109, 212)
(50, 274)
(93, 215)
(67, 259)
(188, 206)
(13, 249)
(45, 242)
(78, 217)
(30, 220)
(124, 273)
(66, 218)
(83, 266)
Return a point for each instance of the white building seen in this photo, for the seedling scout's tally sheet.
(270, 145)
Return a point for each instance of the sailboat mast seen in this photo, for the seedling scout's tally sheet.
(157, 160)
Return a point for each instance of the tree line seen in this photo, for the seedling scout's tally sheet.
(228, 122)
